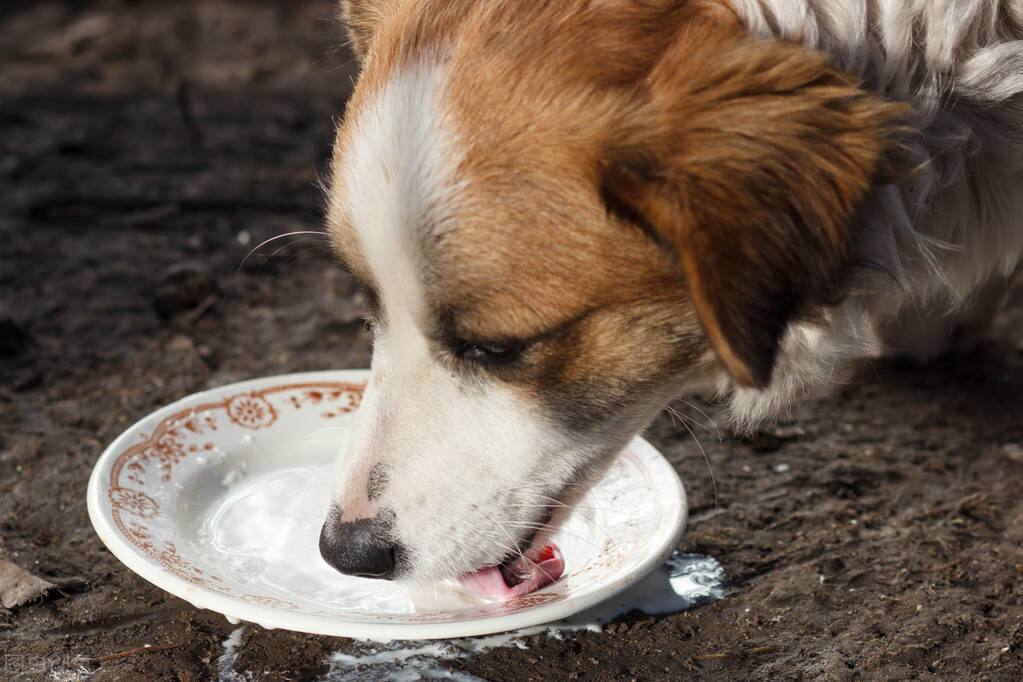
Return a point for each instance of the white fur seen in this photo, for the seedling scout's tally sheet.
(957, 227)
(465, 454)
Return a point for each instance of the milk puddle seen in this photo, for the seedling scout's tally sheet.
(684, 581)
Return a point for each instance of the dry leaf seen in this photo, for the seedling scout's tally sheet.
(18, 586)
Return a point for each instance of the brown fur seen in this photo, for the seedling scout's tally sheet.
(596, 136)
(750, 160)
(361, 19)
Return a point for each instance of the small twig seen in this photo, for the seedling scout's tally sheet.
(193, 315)
(146, 649)
(720, 656)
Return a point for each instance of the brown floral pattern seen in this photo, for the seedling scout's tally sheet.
(272, 602)
(345, 401)
(174, 439)
(167, 447)
(251, 411)
(133, 502)
(528, 601)
(184, 569)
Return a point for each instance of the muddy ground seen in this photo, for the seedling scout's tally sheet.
(145, 147)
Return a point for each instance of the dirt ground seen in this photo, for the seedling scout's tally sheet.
(145, 147)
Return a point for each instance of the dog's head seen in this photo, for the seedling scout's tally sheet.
(563, 214)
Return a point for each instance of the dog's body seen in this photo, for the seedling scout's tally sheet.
(568, 213)
(947, 239)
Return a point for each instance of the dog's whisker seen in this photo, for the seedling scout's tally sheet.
(552, 502)
(512, 539)
(713, 478)
(540, 568)
(592, 521)
(674, 413)
(285, 262)
(525, 558)
(537, 484)
(579, 507)
(508, 550)
(580, 485)
(280, 236)
(576, 507)
(522, 556)
(571, 534)
(713, 427)
(288, 245)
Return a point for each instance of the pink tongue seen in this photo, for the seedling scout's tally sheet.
(529, 575)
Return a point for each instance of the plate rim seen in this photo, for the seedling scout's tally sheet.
(270, 617)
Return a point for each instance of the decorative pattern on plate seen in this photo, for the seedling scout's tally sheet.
(251, 411)
(173, 439)
(132, 502)
(136, 498)
(274, 602)
(185, 569)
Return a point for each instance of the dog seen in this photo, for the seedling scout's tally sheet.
(567, 213)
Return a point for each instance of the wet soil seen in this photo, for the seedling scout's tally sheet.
(146, 147)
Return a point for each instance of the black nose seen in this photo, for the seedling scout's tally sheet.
(363, 548)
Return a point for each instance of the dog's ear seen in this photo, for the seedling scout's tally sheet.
(361, 19)
(747, 161)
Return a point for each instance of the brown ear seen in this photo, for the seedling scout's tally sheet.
(748, 161)
(362, 19)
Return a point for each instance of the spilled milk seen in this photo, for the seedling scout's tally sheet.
(684, 581)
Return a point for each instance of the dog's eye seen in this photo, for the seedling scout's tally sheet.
(488, 353)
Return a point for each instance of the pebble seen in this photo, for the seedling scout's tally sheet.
(180, 343)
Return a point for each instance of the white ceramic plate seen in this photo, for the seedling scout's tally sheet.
(219, 499)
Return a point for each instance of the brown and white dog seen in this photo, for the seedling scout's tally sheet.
(568, 212)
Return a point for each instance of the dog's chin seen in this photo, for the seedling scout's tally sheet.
(537, 567)
(536, 563)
